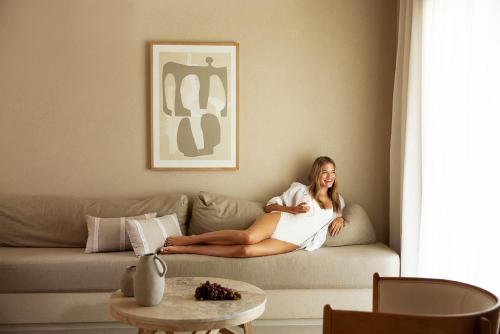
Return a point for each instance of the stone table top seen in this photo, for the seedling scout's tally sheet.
(180, 311)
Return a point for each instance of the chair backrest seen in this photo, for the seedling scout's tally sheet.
(356, 322)
(419, 305)
(408, 295)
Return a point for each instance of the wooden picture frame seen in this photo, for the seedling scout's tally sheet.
(194, 105)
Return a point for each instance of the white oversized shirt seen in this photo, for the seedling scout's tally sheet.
(296, 194)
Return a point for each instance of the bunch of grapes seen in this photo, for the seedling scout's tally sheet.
(215, 291)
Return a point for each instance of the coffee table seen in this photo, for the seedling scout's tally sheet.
(180, 311)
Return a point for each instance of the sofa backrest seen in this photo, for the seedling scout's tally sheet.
(214, 212)
(49, 221)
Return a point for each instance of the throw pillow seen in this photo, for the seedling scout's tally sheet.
(212, 212)
(108, 234)
(148, 235)
(161, 204)
(357, 230)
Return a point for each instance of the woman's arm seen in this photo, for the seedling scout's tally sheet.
(338, 223)
(301, 208)
(287, 202)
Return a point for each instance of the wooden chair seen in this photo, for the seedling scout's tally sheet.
(419, 305)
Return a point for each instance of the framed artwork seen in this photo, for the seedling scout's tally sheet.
(194, 106)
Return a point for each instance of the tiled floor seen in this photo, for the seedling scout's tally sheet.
(302, 329)
(296, 326)
(288, 329)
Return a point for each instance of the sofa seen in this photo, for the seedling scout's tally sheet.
(49, 284)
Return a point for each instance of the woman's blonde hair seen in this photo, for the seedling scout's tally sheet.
(314, 186)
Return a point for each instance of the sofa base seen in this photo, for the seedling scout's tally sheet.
(88, 311)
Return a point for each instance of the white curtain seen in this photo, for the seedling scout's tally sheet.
(445, 144)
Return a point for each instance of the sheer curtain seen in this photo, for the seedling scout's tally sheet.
(445, 145)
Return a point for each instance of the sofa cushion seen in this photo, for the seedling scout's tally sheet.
(357, 230)
(109, 234)
(48, 221)
(149, 235)
(213, 212)
(69, 269)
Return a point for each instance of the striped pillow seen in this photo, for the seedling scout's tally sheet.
(109, 234)
(148, 235)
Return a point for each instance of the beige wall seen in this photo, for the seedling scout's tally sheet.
(315, 79)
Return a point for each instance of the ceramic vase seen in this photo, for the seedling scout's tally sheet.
(149, 282)
(127, 281)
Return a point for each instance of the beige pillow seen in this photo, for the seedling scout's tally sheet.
(212, 212)
(357, 230)
(108, 234)
(148, 235)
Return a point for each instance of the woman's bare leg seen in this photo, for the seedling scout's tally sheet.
(261, 229)
(263, 248)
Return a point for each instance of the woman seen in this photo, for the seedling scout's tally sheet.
(299, 218)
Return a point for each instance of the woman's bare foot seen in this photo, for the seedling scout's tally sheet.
(173, 250)
(179, 241)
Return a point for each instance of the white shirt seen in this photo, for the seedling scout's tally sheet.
(298, 193)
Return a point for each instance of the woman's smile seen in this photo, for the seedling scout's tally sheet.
(327, 176)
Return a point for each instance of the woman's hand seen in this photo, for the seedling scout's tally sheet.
(301, 208)
(336, 226)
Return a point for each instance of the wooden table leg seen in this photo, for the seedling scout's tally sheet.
(226, 331)
(247, 328)
(146, 331)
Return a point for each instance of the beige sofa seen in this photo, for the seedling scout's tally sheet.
(47, 283)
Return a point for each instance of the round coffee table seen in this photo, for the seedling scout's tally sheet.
(180, 311)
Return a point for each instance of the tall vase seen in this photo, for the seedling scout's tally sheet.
(149, 282)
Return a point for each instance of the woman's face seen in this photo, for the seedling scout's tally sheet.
(326, 176)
